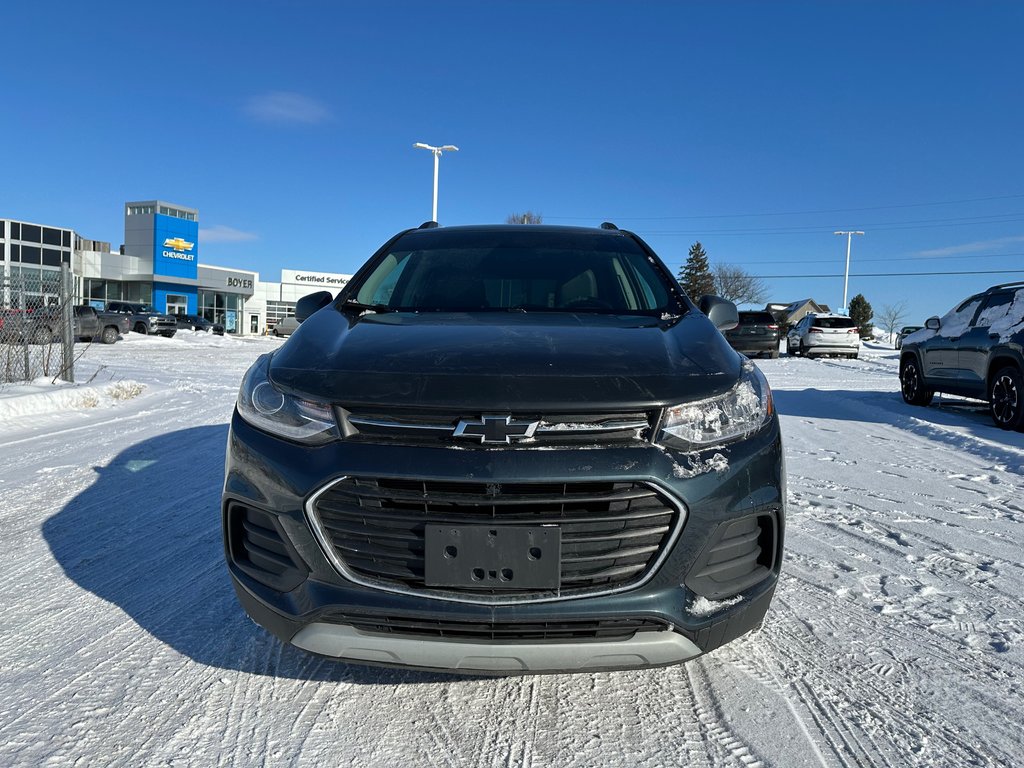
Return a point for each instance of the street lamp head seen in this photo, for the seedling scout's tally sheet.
(421, 145)
(450, 148)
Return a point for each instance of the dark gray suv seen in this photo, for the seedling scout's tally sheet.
(506, 449)
(976, 350)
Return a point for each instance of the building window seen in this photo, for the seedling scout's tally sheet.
(51, 236)
(51, 257)
(30, 254)
(15, 230)
(277, 310)
(30, 233)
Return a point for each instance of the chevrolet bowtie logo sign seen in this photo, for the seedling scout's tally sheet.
(178, 244)
(496, 430)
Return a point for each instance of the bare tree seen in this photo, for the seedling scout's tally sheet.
(891, 316)
(524, 218)
(738, 286)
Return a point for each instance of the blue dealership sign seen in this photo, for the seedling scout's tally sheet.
(175, 247)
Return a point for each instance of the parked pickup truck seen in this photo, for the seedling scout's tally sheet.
(144, 318)
(90, 325)
(43, 326)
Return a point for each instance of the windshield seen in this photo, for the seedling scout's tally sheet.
(505, 271)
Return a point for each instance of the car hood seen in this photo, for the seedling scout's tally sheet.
(505, 361)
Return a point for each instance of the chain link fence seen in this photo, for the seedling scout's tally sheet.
(36, 325)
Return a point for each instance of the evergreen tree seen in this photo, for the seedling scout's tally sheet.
(695, 275)
(861, 313)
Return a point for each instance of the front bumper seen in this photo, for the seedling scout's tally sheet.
(318, 609)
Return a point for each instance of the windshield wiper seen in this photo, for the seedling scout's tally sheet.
(367, 307)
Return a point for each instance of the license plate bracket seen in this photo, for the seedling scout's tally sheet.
(493, 556)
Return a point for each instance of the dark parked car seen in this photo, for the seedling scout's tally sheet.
(904, 332)
(756, 334)
(506, 449)
(198, 323)
(976, 350)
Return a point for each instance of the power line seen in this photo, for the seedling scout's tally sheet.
(891, 274)
(809, 229)
(820, 259)
(792, 213)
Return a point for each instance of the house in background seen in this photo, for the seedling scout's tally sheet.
(791, 314)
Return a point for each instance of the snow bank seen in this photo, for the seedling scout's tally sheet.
(45, 396)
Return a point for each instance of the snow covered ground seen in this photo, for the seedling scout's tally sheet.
(896, 637)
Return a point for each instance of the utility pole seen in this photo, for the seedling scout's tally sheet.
(846, 276)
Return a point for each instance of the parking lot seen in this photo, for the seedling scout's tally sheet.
(895, 638)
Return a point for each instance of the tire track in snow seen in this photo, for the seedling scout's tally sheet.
(725, 747)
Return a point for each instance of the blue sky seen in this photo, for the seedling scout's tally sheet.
(756, 128)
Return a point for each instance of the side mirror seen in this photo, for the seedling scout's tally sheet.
(314, 302)
(720, 312)
(932, 323)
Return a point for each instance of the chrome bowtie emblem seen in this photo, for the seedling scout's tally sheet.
(496, 430)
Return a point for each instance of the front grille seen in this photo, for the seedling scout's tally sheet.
(502, 632)
(612, 534)
(413, 427)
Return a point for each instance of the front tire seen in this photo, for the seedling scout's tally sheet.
(912, 385)
(1006, 399)
(141, 328)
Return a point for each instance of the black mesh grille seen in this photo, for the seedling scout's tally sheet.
(499, 632)
(611, 533)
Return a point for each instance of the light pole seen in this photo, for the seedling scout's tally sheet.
(437, 156)
(846, 275)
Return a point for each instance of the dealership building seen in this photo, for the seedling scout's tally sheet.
(160, 264)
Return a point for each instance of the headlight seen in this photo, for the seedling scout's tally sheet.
(154, 318)
(265, 407)
(725, 418)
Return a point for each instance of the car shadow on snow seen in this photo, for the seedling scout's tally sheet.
(965, 425)
(146, 537)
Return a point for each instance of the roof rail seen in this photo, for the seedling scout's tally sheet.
(608, 225)
(1009, 285)
(428, 225)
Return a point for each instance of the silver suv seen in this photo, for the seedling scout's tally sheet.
(975, 350)
(824, 334)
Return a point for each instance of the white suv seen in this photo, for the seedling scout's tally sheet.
(824, 334)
